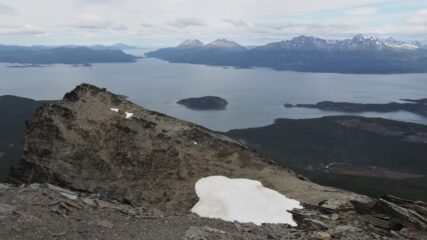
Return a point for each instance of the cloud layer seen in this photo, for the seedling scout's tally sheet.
(168, 22)
(7, 10)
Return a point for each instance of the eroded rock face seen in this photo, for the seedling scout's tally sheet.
(98, 142)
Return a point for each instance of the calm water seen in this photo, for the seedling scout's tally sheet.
(256, 96)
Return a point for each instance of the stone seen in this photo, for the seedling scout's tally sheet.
(6, 209)
(206, 233)
(103, 204)
(89, 201)
(406, 217)
(4, 186)
(334, 216)
(344, 229)
(321, 236)
(315, 224)
(34, 186)
(105, 223)
(59, 189)
(69, 196)
(332, 205)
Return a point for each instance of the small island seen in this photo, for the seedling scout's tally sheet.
(82, 65)
(418, 106)
(204, 103)
(26, 66)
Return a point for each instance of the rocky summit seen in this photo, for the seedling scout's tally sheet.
(88, 142)
(128, 172)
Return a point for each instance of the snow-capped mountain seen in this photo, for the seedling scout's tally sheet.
(419, 44)
(391, 42)
(358, 42)
(225, 44)
(359, 54)
(299, 43)
(191, 44)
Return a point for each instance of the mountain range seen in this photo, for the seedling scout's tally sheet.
(116, 46)
(64, 54)
(360, 54)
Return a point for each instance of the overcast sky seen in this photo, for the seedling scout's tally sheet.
(153, 23)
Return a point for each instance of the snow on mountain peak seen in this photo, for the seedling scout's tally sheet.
(224, 43)
(195, 43)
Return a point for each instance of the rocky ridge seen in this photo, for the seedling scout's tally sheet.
(96, 141)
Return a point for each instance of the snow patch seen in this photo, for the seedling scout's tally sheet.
(128, 115)
(242, 200)
(114, 109)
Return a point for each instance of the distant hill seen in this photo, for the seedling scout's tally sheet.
(348, 152)
(117, 46)
(361, 54)
(417, 106)
(65, 55)
(342, 139)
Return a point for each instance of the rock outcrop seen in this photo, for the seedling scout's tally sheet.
(96, 141)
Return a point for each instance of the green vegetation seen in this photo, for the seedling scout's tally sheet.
(14, 111)
(318, 142)
(410, 188)
(308, 145)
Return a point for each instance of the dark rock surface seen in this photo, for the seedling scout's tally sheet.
(418, 106)
(204, 103)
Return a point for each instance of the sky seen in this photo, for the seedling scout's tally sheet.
(157, 23)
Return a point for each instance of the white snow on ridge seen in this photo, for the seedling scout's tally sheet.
(242, 200)
(128, 115)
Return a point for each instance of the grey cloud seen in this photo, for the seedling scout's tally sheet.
(119, 27)
(235, 23)
(93, 22)
(7, 10)
(22, 30)
(96, 1)
(147, 25)
(291, 25)
(186, 22)
(282, 25)
(419, 18)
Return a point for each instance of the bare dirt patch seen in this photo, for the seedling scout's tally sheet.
(370, 171)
